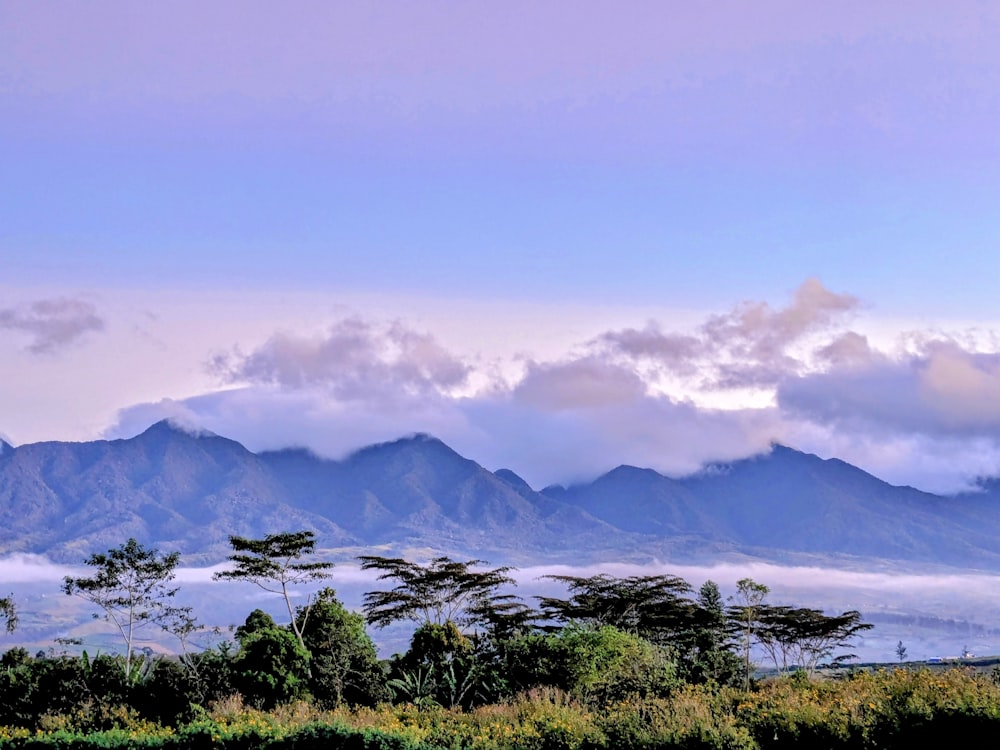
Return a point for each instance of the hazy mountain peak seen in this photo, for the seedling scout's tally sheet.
(419, 441)
(187, 486)
(417, 438)
(628, 470)
(512, 478)
(173, 426)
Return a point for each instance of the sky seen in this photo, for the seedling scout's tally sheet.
(560, 236)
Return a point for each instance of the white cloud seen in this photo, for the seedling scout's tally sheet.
(924, 412)
(355, 360)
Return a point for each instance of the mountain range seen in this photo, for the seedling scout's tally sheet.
(188, 491)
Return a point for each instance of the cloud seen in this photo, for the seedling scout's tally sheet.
(563, 446)
(578, 384)
(751, 345)
(756, 339)
(926, 413)
(677, 352)
(943, 389)
(354, 360)
(27, 568)
(264, 417)
(578, 436)
(52, 323)
(849, 348)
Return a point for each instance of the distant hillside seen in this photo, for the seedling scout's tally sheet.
(798, 502)
(182, 491)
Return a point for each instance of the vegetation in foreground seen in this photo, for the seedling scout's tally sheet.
(639, 662)
(883, 709)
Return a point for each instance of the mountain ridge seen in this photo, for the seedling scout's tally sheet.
(187, 489)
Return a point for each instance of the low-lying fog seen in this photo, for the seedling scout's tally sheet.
(933, 614)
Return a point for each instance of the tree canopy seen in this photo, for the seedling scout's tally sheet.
(272, 563)
(801, 637)
(130, 585)
(443, 590)
(652, 607)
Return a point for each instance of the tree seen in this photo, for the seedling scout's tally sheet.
(443, 664)
(802, 636)
(442, 591)
(8, 612)
(746, 614)
(901, 652)
(441, 667)
(344, 667)
(130, 585)
(272, 564)
(711, 657)
(271, 667)
(651, 607)
(599, 665)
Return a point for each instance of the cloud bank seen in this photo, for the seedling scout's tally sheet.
(924, 411)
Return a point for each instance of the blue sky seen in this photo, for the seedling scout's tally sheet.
(238, 215)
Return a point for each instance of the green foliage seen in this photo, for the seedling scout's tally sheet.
(271, 667)
(443, 590)
(344, 667)
(272, 563)
(256, 622)
(652, 607)
(597, 665)
(900, 708)
(745, 615)
(130, 585)
(440, 668)
(708, 656)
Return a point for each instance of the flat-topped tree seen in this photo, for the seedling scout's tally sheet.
(442, 591)
(272, 563)
(802, 637)
(652, 607)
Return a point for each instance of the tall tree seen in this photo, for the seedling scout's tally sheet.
(711, 656)
(745, 613)
(344, 667)
(273, 564)
(444, 590)
(8, 612)
(130, 584)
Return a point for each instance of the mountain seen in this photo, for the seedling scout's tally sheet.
(175, 489)
(188, 491)
(418, 491)
(802, 502)
(166, 486)
(797, 502)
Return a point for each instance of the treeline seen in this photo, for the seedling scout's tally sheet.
(614, 662)
(475, 641)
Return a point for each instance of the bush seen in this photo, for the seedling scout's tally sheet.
(598, 665)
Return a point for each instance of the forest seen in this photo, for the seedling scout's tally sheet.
(626, 662)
